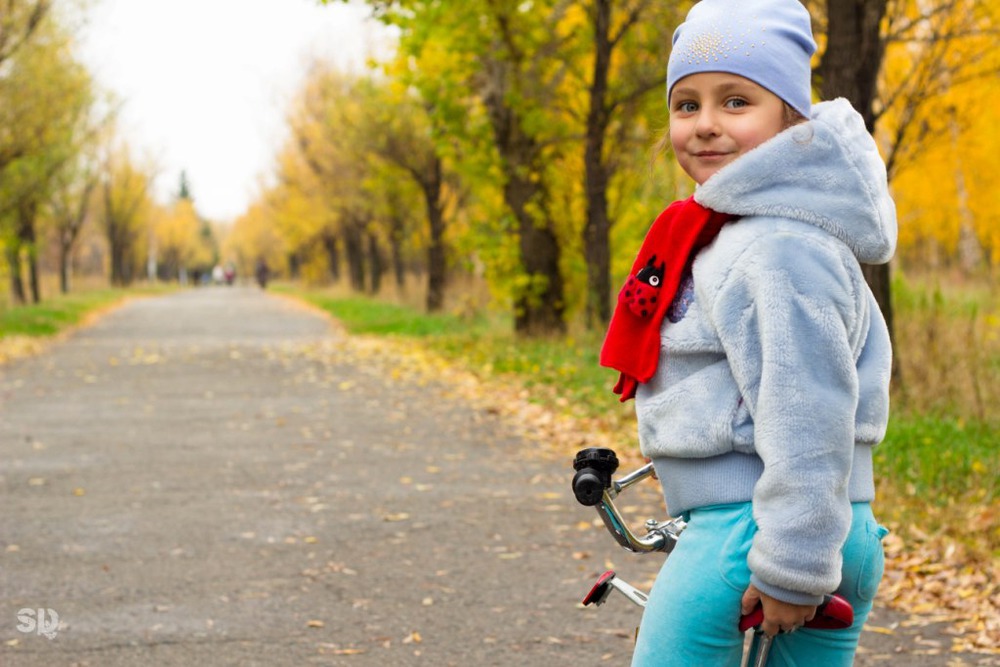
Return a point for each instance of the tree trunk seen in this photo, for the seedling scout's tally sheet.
(332, 255)
(436, 269)
(854, 51)
(598, 227)
(375, 266)
(70, 223)
(294, 264)
(397, 233)
(64, 260)
(850, 69)
(540, 311)
(353, 246)
(118, 249)
(120, 273)
(36, 290)
(112, 225)
(117, 264)
(16, 281)
(28, 241)
(539, 307)
(67, 239)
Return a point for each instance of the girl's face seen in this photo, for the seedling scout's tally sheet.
(716, 117)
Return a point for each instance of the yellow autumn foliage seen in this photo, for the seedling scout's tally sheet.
(253, 237)
(179, 239)
(943, 182)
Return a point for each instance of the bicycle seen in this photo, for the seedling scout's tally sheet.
(594, 486)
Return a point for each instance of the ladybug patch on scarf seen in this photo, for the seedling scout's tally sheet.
(632, 344)
(642, 290)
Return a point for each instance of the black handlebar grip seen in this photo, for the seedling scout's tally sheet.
(588, 487)
(594, 467)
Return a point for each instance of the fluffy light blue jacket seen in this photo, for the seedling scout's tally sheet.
(773, 381)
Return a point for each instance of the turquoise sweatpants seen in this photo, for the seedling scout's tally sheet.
(692, 614)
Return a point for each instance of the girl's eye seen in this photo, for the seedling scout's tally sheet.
(687, 107)
(736, 103)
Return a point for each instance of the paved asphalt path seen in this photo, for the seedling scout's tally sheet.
(207, 478)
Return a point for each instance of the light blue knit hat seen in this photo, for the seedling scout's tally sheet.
(769, 42)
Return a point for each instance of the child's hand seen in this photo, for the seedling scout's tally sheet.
(778, 616)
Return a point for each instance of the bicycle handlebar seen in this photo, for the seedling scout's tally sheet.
(593, 486)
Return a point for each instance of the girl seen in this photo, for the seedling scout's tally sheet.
(755, 351)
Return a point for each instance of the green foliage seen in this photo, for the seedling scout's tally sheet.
(45, 95)
(502, 93)
(938, 459)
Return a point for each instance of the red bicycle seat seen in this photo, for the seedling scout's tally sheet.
(835, 613)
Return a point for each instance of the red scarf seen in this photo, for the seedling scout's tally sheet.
(632, 345)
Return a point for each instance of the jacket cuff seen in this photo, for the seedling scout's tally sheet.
(785, 595)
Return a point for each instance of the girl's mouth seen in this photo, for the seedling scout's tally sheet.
(711, 156)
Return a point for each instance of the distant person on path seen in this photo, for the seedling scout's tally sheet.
(262, 272)
(755, 351)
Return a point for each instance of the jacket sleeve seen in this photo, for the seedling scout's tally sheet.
(788, 315)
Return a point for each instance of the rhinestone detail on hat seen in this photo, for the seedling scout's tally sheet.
(711, 46)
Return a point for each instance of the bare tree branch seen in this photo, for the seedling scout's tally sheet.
(13, 36)
(631, 18)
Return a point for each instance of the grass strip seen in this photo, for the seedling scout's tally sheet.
(57, 313)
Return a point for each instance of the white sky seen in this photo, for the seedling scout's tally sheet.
(205, 84)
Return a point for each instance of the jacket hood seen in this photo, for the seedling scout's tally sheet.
(826, 172)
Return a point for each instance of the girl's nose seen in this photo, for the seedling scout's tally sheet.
(707, 124)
